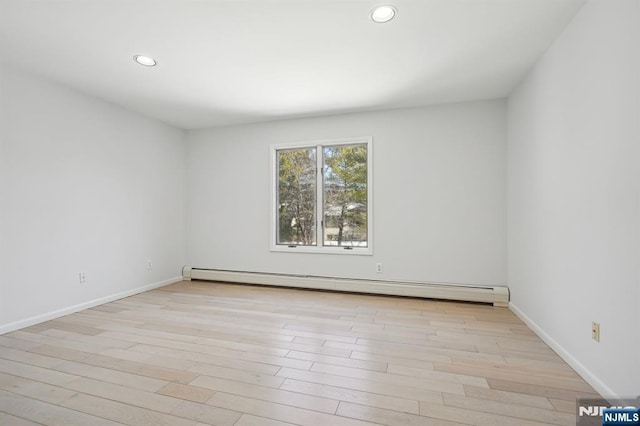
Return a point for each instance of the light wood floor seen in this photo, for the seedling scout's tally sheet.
(196, 353)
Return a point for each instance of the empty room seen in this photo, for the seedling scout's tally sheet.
(319, 212)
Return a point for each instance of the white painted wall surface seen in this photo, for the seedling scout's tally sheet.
(439, 195)
(574, 195)
(90, 187)
(2, 202)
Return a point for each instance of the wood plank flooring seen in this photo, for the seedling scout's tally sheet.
(201, 353)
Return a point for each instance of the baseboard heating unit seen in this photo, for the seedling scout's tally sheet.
(497, 295)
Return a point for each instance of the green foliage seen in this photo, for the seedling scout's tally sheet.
(345, 195)
(345, 192)
(296, 196)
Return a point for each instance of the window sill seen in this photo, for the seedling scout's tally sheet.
(356, 251)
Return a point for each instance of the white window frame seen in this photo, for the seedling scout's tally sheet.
(319, 248)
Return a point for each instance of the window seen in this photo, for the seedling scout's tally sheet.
(321, 195)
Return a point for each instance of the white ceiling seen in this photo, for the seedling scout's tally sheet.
(237, 61)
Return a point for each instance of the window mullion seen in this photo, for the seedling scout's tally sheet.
(319, 196)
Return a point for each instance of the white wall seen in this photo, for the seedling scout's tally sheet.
(2, 202)
(87, 186)
(574, 195)
(439, 195)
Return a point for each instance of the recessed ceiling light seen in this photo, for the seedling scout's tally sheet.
(145, 60)
(382, 14)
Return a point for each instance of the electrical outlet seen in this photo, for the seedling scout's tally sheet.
(82, 277)
(379, 268)
(149, 264)
(595, 331)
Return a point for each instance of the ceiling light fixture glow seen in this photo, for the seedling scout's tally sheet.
(382, 14)
(147, 61)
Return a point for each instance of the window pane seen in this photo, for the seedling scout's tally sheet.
(345, 195)
(296, 197)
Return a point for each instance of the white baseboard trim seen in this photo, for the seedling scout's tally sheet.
(497, 295)
(27, 322)
(583, 371)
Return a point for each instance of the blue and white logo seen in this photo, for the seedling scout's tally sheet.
(627, 416)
